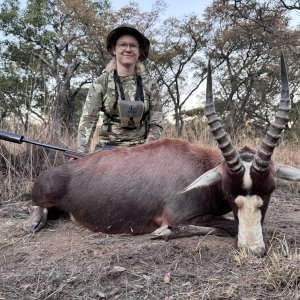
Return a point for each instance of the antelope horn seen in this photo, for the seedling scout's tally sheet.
(265, 150)
(231, 156)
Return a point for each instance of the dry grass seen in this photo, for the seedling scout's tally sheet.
(68, 262)
(282, 273)
(21, 163)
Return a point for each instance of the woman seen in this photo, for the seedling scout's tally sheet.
(123, 100)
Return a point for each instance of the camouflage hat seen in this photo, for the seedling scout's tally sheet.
(113, 36)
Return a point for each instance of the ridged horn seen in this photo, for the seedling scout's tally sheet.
(231, 156)
(265, 150)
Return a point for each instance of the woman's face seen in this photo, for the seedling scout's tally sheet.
(127, 50)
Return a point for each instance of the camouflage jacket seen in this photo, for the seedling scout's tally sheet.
(99, 109)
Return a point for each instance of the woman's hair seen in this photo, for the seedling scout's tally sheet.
(112, 65)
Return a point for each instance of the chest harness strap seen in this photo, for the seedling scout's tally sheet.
(131, 112)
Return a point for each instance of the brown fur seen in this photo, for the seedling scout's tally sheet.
(133, 189)
(137, 189)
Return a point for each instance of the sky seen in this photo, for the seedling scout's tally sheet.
(174, 7)
(185, 7)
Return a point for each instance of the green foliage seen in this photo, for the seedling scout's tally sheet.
(195, 112)
(37, 12)
(178, 62)
(9, 16)
(43, 45)
(246, 57)
(51, 49)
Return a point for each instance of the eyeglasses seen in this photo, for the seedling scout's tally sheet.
(124, 46)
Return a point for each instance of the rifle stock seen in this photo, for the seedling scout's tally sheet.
(19, 139)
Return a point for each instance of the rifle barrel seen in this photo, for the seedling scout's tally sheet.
(29, 141)
(19, 139)
(11, 137)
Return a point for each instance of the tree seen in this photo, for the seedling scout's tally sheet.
(246, 57)
(47, 29)
(178, 62)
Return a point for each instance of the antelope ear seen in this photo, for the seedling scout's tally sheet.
(287, 172)
(212, 176)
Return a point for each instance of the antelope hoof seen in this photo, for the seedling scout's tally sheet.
(38, 218)
(162, 233)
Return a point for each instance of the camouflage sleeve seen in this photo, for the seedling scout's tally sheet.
(90, 114)
(156, 117)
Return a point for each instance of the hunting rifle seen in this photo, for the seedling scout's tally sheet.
(19, 139)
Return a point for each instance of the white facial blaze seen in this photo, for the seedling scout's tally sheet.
(247, 180)
(250, 229)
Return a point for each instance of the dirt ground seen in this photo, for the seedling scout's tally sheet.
(65, 261)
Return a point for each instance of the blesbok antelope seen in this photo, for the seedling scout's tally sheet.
(148, 187)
